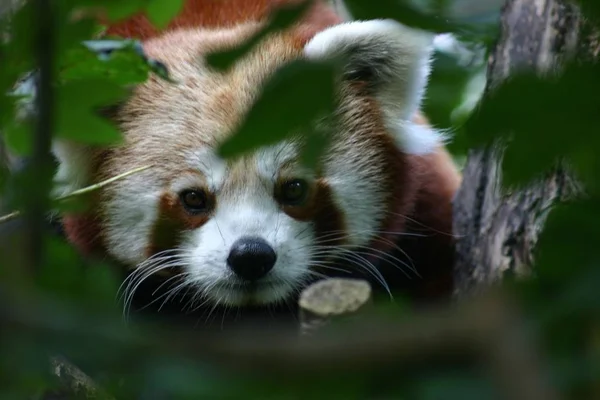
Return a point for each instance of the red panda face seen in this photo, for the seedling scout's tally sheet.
(252, 230)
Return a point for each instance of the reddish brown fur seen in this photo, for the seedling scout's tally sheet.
(327, 217)
(226, 13)
(83, 231)
(173, 220)
(426, 210)
(307, 210)
(421, 189)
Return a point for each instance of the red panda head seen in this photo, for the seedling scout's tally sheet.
(251, 230)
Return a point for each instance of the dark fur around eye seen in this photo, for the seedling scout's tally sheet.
(292, 192)
(195, 201)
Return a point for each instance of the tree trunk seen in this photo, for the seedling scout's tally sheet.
(498, 232)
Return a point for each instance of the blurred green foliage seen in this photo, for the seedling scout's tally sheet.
(283, 110)
(539, 121)
(280, 19)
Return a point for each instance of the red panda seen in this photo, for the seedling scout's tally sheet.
(255, 230)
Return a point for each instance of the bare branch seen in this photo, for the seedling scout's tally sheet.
(81, 192)
(332, 299)
(76, 381)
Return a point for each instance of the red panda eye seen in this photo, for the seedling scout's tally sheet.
(293, 192)
(195, 201)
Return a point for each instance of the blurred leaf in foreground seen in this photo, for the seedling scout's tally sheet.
(120, 62)
(292, 101)
(406, 12)
(115, 10)
(77, 120)
(590, 9)
(161, 12)
(541, 120)
(282, 18)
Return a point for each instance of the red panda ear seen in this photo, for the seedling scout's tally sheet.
(393, 61)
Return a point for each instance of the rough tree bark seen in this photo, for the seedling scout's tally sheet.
(498, 232)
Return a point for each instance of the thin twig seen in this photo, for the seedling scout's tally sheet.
(99, 185)
(331, 300)
(9, 217)
(80, 192)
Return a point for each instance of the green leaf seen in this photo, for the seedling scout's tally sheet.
(445, 90)
(568, 242)
(118, 10)
(101, 283)
(70, 33)
(540, 120)
(161, 12)
(590, 9)
(281, 19)
(19, 137)
(402, 11)
(62, 272)
(123, 66)
(316, 143)
(293, 99)
(17, 50)
(78, 102)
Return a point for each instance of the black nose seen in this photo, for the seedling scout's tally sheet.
(251, 258)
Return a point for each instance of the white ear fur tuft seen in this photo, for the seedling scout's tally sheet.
(396, 60)
(418, 139)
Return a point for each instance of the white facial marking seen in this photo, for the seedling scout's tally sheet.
(249, 217)
(357, 195)
(131, 215)
(271, 159)
(250, 210)
(210, 165)
(134, 207)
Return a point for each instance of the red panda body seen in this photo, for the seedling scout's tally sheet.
(214, 14)
(255, 230)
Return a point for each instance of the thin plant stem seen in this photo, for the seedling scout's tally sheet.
(80, 192)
